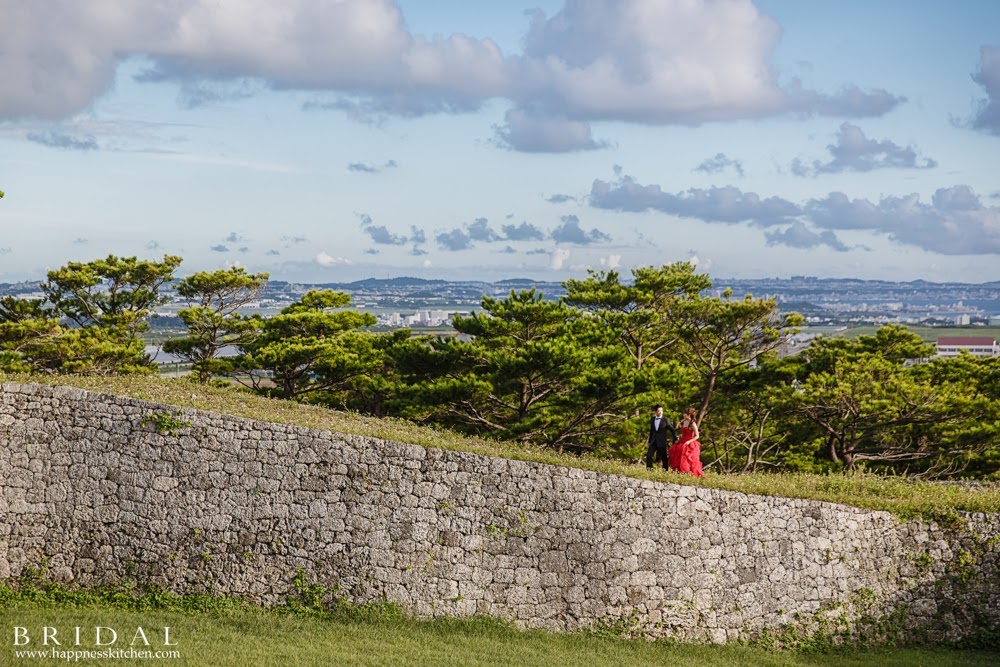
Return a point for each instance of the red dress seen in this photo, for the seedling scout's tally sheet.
(685, 454)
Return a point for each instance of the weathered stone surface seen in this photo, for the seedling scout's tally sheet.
(239, 507)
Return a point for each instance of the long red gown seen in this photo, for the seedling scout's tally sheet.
(685, 454)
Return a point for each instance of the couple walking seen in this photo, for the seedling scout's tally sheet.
(684, 454)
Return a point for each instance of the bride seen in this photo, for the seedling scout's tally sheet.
(685, 454)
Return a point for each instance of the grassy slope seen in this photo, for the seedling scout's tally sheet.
(904, 498)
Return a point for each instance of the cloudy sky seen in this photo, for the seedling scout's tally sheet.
(327, 140)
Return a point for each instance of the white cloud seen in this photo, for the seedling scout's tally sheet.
(58, 56)
(540, 134)
(853, 151)
(716, 204)
(323, 259)
(955, 222)
(987, 115)
(639, 61)
(558, 258)
(668, 62)
(611, 261)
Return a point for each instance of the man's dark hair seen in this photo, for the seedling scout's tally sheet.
(657, 406)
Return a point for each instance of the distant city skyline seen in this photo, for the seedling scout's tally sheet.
(330, 141)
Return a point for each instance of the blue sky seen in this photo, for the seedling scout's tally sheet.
(336, 140)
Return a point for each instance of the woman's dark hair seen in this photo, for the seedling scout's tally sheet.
(692, 413)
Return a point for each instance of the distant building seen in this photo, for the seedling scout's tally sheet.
(977, 347)
(995, 321)
(962, 320)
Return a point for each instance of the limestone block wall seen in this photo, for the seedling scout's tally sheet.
(99, 489)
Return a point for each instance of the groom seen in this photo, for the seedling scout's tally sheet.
(659, 427)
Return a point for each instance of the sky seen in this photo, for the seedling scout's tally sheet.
(336, 140)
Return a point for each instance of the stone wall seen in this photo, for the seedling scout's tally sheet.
(99, 489)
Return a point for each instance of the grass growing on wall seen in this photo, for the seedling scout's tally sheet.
(220, 633)
(903, 497)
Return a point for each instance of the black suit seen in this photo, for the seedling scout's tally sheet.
(657, 440)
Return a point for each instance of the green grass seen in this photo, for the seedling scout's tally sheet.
(926, 333)
(903, 497)
(218, 633)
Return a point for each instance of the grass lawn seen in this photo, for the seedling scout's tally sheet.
(247, 637)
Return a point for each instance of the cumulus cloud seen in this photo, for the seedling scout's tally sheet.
(725, 204)
(272, 253)
(522, 232)
(987, 113)
(219, 248)
(153, 245)
(59, 140)
(669, 62)
(853, 151)
(571, 232)
(531, 133)
(294, 239)
(508, 250)
(720, 163)
(850, 101)
(955, 222)
(324, 259)
(233, 237)
(558, 258)
(480, 230)
(56, 63)
(599, 60)
(800, 236)
(456, 239)
(611, 261)
(381, 235)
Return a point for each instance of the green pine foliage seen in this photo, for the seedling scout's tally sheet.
(214, 321)
(579, 374)
(91, 320)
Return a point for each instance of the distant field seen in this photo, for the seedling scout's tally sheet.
(929, 334)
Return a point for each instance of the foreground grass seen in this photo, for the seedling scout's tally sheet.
(903, 497)
(218, 633)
